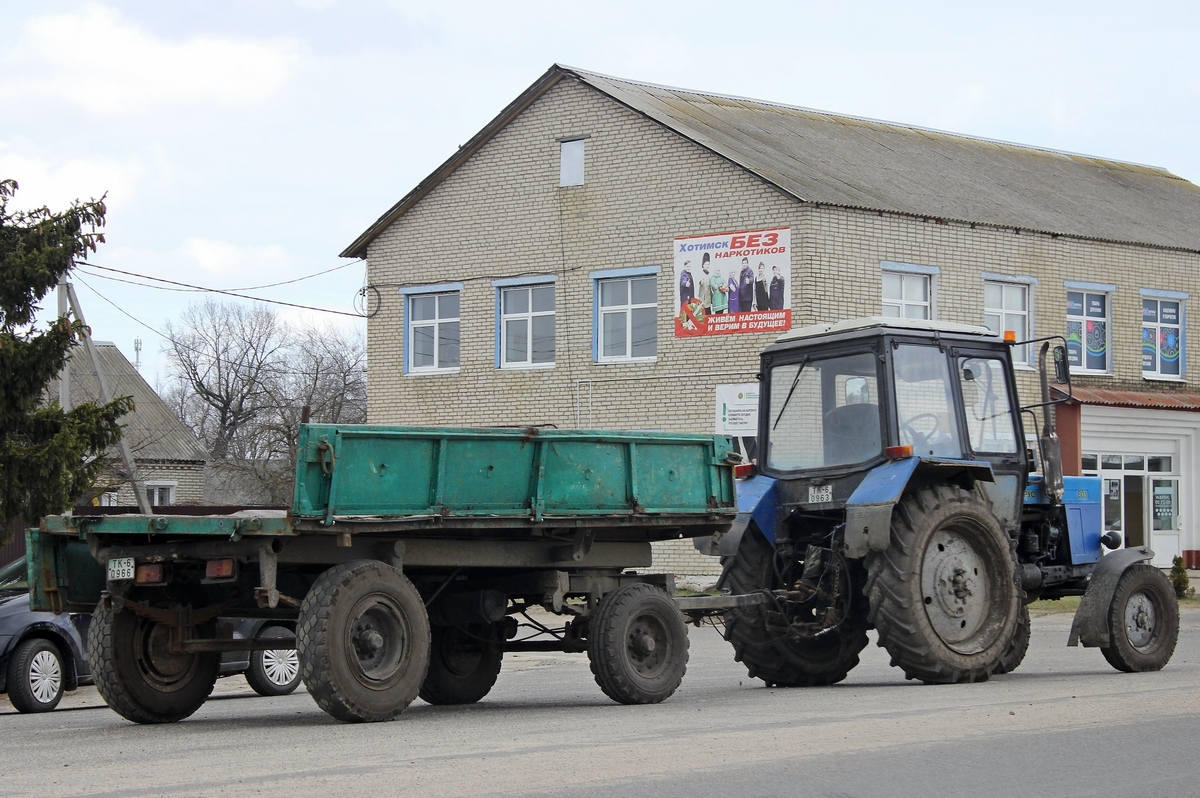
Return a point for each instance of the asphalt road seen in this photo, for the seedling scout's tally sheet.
(1064, 724)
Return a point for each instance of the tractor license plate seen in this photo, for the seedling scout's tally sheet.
(120, 568)
(820, 494)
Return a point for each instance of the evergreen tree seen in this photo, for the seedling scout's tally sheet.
(48, 457)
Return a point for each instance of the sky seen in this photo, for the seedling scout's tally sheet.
(241, 144)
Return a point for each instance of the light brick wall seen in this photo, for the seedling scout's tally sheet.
(188, 479)
(502, 214)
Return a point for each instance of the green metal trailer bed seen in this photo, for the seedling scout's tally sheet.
(403, 563)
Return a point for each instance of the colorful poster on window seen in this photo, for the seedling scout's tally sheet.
(739, 282)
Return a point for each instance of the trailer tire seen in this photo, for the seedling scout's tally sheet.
(1015, 654)
(136, 673)
(363, 641)
(638, 644)
(781, 657)
(943, 595)
(36, 676)
(464, 662)
(274, 672)
(1143, 621)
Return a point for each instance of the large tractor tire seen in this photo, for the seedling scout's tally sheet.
(363, 641)
(637, 644)
(764, 641)
(1015, 654)
(943, 596)
(135, 670)
(463, 663)
(1143, 621)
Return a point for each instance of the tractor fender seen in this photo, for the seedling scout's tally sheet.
(757, 501)
(1090, 627)
(869, 508)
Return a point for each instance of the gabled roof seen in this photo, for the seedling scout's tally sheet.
(152, 429)
(846, 161)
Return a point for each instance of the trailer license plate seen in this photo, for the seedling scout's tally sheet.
(820, 494)
(120, 568)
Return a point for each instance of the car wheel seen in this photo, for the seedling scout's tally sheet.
(274, 671)
(35, 676)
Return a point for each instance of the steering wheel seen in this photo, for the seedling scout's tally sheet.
(920, 438)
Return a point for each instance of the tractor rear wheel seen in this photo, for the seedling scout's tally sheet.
(766, 642)
(942, 595)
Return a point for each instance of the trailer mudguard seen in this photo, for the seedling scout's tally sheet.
(1090, 627)
(869, 508)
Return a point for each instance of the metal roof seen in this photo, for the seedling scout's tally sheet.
(895, 324)
(1115, 397)
(848, 161)
(152, 429)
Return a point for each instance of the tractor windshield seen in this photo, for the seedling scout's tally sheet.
(823, 413)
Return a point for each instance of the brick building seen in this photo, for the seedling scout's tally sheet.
(552, 272)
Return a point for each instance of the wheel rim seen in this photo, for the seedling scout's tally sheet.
(648, 645)
(281, 666)
(377, 641)
(162, 668)
(957, 592)
(1141, 615)
(45, 676)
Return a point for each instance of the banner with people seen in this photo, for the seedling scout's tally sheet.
(737, 282)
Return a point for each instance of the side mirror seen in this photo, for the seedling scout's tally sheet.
(1062, 369)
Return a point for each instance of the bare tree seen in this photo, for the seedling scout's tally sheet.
(241, 379)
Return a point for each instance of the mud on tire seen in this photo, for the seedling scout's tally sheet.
(1143, 621)
(943, 596)
(772, 651)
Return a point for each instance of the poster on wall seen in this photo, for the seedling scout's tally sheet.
(737, 416)
(739, 282)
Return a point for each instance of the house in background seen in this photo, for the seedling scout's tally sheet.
(614, 254)
(170, 462)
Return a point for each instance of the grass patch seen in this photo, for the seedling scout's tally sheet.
(1064, 604)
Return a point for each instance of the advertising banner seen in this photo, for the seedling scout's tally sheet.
(739, 282)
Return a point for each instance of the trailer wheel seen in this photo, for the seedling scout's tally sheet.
(1143, 621)
(775, 652)
(275, 671)
(638, 644)
(136, 672)
(36, 676)
(943, 596)
(1020, 643)
(363, 641)
(463, 664)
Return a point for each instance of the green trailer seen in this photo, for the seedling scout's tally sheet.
(407, 563)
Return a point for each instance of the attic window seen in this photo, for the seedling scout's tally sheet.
(570, 162)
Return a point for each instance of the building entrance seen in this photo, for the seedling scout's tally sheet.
(1141, 498)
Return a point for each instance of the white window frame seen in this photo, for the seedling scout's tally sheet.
(1160, 297)
(599, 312)
(155, 489)
(572, 156)
(1092, 289)
(502, 319)
(1022, 356)
(410, 324)
(910, 272)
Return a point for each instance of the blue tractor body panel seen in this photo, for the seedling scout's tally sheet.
(1085, 515)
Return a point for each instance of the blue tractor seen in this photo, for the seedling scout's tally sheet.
(894, 490)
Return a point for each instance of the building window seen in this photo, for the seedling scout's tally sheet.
(433, 331)
(1006, 306)
(527, 326)
(1089, 311)
(906, 296)
(1162, 337)
(627, 315)
(570, 162)
(160, 493)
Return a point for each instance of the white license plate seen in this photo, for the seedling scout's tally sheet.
(120, 568)
(820, 494)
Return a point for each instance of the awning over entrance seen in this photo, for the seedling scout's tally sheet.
(1146, 399)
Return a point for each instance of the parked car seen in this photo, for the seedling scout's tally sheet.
(43, 655)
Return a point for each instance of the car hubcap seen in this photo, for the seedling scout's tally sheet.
(45, 676)
(281, 666)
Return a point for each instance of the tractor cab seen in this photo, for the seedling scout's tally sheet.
(841, 401)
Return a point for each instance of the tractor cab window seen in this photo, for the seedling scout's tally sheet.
(989, 417)
(925, 402)
(824, 413)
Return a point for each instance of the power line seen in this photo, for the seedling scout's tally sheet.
(190, 287)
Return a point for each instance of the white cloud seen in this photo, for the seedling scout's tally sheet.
(56, 183)
(109, 67)
(233, 266)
